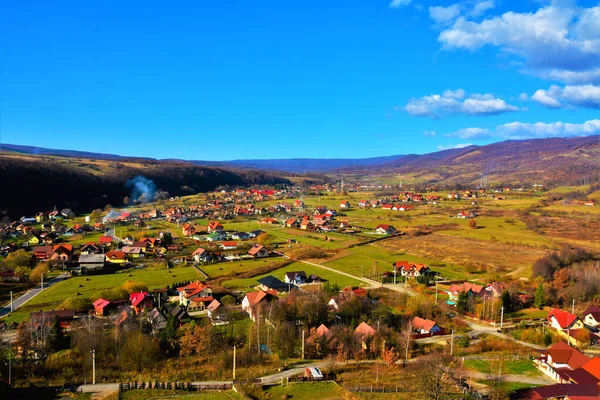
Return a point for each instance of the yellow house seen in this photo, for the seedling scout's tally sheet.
(116, 257)
(34, 241)
(566, 325)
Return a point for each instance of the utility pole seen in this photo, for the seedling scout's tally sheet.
(573, 307)
(9, 364)
(452, 344)
(11, 302)
(361, 272)
(436, 291)
(501, 318)
(234, 363)
(395, 271)
(42, 282)
(93, 366)
(303, 344)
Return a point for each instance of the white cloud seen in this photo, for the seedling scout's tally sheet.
(429, 133)
(556, 97)
(454, 146)
(523, 96)
(558, 40)
(399, 3)
(481, 7)
(456, 102)
(521, 130)
(444, 15)
(546, 99)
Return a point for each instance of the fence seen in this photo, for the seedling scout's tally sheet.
(426, 335)
(189, 386)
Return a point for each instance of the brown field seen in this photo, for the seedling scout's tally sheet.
(489, 255)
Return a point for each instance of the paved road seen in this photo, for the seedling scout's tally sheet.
(372, 284)
(276, 378)
(31, 294)
(530, 380)
(493, 330)
(99, 390)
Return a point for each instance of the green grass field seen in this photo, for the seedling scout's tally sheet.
(92, 286)
(510, 367)
(331, 277)
(309, 391)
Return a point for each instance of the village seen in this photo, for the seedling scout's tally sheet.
(267, 269)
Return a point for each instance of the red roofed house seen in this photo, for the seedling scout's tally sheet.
(385, 229)
(188, 230)
(345, 204)
(421, 325)
(591, 316)
(560, 358)
(215, 226)
(193, 291)
(201, 255)
(101, 307)
(562, 320)
(470, 289)
(323, 331)
(255, 300)
(140, 301)
(229, 245)
(106, 240)
(116, 257)
(62, 252)
(364, 329)
(593, 367)
(411, 269)
(292, 223)
(43, 252)
(258, 251)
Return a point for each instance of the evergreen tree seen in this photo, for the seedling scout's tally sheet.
(506, 303)
(462, 303)
(539, 300)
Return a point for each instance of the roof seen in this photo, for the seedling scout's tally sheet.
(594, 310)
(50, 315)
(91, 259)
(255, 249)
(408, 266)
(272, 282)
(256, 297)
(65, 247)
(593, 367)
(193, 288)
(115, 254)
(364, 329)
(101, 303)
(229, 244)
(423, 324)
(322, 330)
(137, 298)
(213, 306)
(199, 251)
(561, 390)
(466, 286)
(105, 239)
(562, 353)
(565, 319)
(43, 249)
(384, 226)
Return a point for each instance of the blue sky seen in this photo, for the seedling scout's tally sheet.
(230, 79)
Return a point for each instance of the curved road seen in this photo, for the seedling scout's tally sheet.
(30, 295)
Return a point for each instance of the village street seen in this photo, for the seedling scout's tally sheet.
(30, 295)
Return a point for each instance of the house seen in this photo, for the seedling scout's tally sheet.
(345, 204)
(421, 325)
(563, 320)
(292, 223)
(494, 290)
(307, 225)
(240, 236)
(364, 203)
(62, 252)
(562, 391)
(215, 226)
(101, 307)
(34, 240)
(91, 248)
(323, 331)
(65, 317)
(216, 236)
(216, 311)
(133, 252)
(116, 257)
(411, 270)
(43, 253)
(364, 329)
(271, 283)
(591, 316)
(193, 291)
(179, 313)
(558, 359)
(157, 320)
(295, 278)
(258, 251)
(271, 221)
(465, 214)
(188, 230)
(255, 300)
(229, 245)
(91, 261)
(471, 289)
(385, 229)
(106, 241)
(140, 301)
(201, 255)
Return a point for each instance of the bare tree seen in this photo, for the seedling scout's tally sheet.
(436, 377)
(406, 339)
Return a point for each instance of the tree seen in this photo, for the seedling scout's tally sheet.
(134, 287)
(228, 300)
(462, 303)
(57, 336)
(198, 339)
(435, 378)
(19, 258)
(138, 352)
(406, 338)
(35, 275)
(390, 356)
(539, 297)
(506, 302)
(472, 224)
(561, 279)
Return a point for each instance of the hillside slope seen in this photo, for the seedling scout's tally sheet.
(34, 183)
